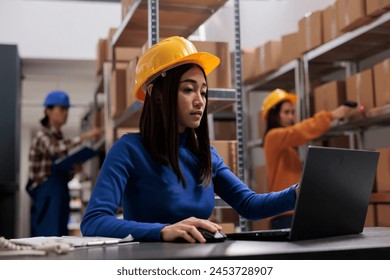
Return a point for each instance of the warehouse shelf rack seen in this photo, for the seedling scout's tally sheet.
(219, 99)
(379, 116)
(174, 18)
(135, 31)
(337, 59)
(349, 52)
(146, 21)
(345, 54)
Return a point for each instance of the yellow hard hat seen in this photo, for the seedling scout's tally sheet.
(165, 55)
(275, 97)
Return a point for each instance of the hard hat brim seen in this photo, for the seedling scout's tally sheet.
(288, 97)
(207, 61)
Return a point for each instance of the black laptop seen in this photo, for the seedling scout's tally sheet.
(335, 192)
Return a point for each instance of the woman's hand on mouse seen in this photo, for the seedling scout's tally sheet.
(186, 230)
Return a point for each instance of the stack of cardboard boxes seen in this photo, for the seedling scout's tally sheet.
(314, 29)
(383, 186)
(121, 84)
(125, 57)
(370, 87)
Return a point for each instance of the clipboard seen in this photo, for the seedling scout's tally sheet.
(79, 155)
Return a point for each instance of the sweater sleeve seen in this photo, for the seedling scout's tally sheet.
(58, 147)
(100, 216)
(300, 133)
(244, 200)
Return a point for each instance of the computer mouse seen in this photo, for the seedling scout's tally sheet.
(212, 237)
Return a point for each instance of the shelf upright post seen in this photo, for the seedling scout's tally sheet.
(301, 79)
(153, 22)
(350, 69)
(300, 88)
(305, 111)
(108, 122)
(239, 110)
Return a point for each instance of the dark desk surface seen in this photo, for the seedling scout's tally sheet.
(373, 243)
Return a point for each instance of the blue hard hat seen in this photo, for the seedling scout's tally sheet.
(57, 98)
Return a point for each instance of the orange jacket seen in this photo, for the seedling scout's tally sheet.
(282, 160)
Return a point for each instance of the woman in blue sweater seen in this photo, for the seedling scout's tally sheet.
(165, 176)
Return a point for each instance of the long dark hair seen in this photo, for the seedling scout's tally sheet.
(159, 126)
(273, 118)
(45, 119)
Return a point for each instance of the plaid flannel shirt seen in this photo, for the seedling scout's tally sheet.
(47, 145)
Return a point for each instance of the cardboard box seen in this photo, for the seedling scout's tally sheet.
(250, 69)
(227, 227)
(382, 83)
(225, 216)
(330, 28)
(290, 47)
(270, 56)
(123, 53)
(126, 53)
(383, 215)
(341, 141)
(228, 151)
(124, 130)
(98, 118)
(329, 96)
(225, 130)
(130, 82)
(375, 8)
(383, 171)
(261, 180)
(261, 224)
(310, 31)
(360, 88)
(370, 217)
(101, 55)
(126, 4)
(351, 14)
(109, 51)
(261, 60)
(117, 92)
(221, 77)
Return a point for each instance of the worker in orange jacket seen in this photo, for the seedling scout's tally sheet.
(282, 138)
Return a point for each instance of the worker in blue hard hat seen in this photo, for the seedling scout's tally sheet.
(47, 186)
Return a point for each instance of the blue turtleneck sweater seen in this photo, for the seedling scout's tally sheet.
(152, 197)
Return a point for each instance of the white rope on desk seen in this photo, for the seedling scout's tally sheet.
(8, 248)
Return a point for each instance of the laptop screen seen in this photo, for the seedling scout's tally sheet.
(335, 192)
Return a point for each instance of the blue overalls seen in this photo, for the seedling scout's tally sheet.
(50, 206)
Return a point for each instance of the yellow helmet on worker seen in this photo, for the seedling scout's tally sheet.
(274, 98)
(165, 55)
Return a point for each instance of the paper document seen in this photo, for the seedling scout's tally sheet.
(75, 241)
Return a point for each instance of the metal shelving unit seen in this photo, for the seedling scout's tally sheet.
(147, 21)
(219, 99)
(287, 76)
(345, 55)
(151, 19)
(350, 52)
